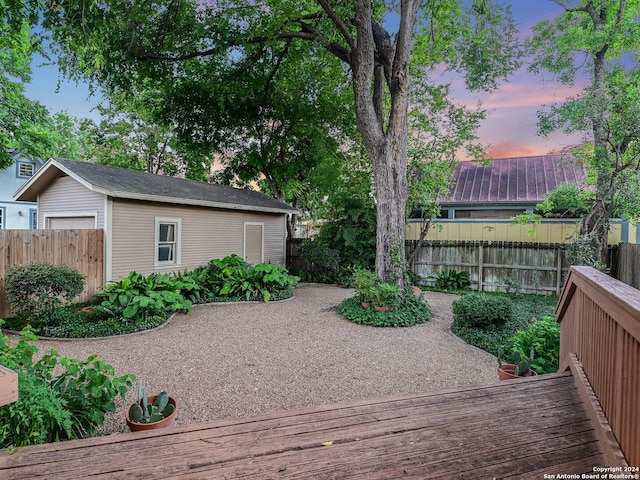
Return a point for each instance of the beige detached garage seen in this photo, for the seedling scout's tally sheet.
(155, 223)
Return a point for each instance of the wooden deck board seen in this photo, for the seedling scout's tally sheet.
(521, 428)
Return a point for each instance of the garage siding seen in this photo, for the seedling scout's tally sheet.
(206, 233)
(66, 197)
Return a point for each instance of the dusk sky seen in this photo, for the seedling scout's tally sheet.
(510, 128)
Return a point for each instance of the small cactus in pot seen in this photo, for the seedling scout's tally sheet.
(154, 411)
(521, 366)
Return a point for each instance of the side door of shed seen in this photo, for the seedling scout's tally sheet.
(254, 243)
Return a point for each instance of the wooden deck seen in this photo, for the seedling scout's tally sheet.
(514, 429)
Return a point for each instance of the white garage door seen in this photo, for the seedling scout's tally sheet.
(70, 223)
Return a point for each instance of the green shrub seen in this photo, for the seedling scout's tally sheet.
(318, 254)
(481, 310)
(410, 310)
(193, 285)
(524, 307)
(451, 280)
(39, 415)
(59, 398)
(543, 336)
(35, 290)
(364, 282)
(386, 295)
(137, 296)
(255, 283)
(233, 279)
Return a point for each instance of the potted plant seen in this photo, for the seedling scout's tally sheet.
(521, 366)
(151, 412)
(364, 283)
(385, 296)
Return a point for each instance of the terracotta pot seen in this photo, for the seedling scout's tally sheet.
(508, 371)
(383, 309)
(365, 304)
(165, 422)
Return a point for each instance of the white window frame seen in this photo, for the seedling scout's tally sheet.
(3, 218)
(177, 222)
(20, 163)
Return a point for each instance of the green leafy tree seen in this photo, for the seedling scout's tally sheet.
(291, 119)
(597, 39)
(208, 46)
(126, 139)
(25, 124)
(439, 132)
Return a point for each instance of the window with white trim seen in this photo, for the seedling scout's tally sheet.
(2, 215)
(167, 241)
(33, 218)
(26, 169)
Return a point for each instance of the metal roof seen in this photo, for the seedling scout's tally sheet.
(513, 180)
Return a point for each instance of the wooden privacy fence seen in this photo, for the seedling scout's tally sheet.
(600, 341)
(525, 267)
(626, 264)
(79, 249)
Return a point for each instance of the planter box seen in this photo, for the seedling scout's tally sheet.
(8, 386)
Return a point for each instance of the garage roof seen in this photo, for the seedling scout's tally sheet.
(130, 184)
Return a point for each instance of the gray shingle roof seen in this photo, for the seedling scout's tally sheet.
(123, 183)
(513, 180)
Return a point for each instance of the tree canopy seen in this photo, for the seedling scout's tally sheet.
(197, 53)
(597, 40)
(25, 124)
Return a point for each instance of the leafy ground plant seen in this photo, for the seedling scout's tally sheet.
(524, 307)
(410, 310)
(543, 337)
(59, 398)
(137, 296)
(451, 280)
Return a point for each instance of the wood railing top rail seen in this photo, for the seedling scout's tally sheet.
(618, 299)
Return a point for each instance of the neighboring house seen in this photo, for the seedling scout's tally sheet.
(156, 223)
(484, 198)
(13, 214)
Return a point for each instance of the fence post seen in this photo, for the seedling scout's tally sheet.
(559, 272)
(480, 266)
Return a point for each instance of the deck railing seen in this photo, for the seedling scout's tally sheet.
(600, 325)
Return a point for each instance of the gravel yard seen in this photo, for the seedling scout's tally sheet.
(236, 360)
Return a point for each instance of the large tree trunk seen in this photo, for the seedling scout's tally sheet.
(390, 168)
(374, 61)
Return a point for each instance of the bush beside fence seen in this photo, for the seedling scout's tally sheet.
(82, 250)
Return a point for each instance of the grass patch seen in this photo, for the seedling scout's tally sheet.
(525, 307)
(411, 310)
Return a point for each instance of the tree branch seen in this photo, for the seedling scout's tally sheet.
(308, 33)
(342, 28)
(384, 50)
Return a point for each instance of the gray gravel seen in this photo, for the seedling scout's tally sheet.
(236, 360)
